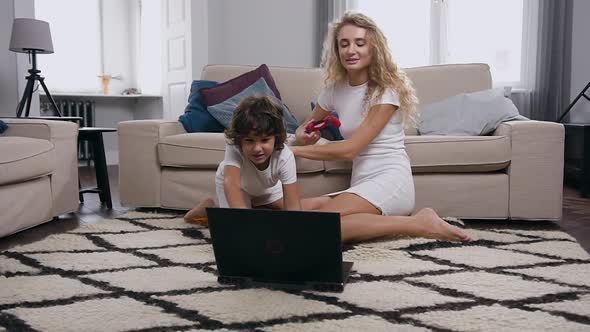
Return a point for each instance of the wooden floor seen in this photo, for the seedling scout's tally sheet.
(575, 221)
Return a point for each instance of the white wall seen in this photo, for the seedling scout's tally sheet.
(199, 36)
(580, 61)
(8, 87)
(275, 32)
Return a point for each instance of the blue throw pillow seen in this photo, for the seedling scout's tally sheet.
(196, 118)
(3, 126)
(224, 111)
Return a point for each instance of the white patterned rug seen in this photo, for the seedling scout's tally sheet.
(152, 272)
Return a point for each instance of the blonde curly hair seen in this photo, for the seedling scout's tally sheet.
(383, 71)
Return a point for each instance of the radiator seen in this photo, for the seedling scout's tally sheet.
(73, 107)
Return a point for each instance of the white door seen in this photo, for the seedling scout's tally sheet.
(176, 56)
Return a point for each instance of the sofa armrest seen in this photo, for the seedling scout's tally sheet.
(64, 136)
(536, 168)
(139, 167)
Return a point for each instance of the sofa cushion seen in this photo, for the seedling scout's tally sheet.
(300, 85)
(449, 154)
(206, 151)
(23, 158)
(217, 94)
(196, 119)
(224, 111)
(193, 150)
(476, 113)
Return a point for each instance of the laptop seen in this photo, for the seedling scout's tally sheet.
(278, 249)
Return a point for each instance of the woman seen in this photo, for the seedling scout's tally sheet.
(373, 99)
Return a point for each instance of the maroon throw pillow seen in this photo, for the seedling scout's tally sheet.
(222, 92)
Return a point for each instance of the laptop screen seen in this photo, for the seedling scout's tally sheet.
(277, 246)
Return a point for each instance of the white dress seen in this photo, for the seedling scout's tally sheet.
(381, 173)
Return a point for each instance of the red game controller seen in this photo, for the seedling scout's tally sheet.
(329, 120)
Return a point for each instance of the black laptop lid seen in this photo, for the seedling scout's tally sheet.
(277, 246)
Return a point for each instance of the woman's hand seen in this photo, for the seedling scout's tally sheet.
(306, 138)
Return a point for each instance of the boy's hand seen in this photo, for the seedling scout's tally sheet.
(307, 138)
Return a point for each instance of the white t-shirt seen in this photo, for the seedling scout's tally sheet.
(254, 181)
(347, 100)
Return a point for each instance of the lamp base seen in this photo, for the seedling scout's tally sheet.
(27, 97)
(580, 95)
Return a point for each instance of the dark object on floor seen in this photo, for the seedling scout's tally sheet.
(278, 249)
(577, 156)
(93, 135)
(3, 126)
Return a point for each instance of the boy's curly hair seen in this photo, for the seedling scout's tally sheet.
(261, 115)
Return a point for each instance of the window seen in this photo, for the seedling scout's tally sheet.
(95, 37)
(150, 49)
(75, 31)
(425, 32)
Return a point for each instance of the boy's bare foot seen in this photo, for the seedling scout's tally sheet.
(198, 214)
(436, 228)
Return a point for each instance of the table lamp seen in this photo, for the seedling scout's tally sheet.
(32, 37)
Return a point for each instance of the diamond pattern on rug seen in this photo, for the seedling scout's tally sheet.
(185, 255)
(484, 284)
(394, 243)
(380, 262)
(90, 261)
(42, 288)
(59, 242)
(108, 314)
(351, 324)
(108, 226)
(484, 257)
(136, 215)
(166, 223)
(147, 239)
(250, 305)
(546, 235)
(563, 249)
(495, 236)
(578, 274)
(150, 271)
(13, 265)
(498, 318)
(580, 306)
(158, 279)
(388, 296)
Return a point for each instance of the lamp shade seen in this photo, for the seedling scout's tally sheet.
(30, 35)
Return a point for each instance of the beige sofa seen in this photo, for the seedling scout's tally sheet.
(515, 173)
(38, 172)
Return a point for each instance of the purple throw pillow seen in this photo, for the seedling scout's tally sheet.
(222, 92)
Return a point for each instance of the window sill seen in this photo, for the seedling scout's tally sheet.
(98, 95)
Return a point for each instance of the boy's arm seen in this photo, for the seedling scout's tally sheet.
(291, 200)
(232, 186)
(288, 176)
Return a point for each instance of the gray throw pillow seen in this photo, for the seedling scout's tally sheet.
(224, 111)
(477, 113)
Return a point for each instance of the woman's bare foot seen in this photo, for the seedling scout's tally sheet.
(198, 214)
(436, 228)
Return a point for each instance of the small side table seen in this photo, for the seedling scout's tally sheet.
(577, 155)
(93, 135)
